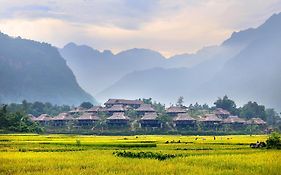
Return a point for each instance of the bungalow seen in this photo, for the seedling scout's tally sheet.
(256, 121)
(132, 103)
(94, 110)
(43, 119)
(145, 108)
(87, 119)
(117, 119)
(222, 113)
(76, 111)
(234, 121)
(115, 108)
(184, 120)
(62, 119)
(150, 120)
(175, 110)
(210, 120)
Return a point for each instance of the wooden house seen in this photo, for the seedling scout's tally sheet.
(145, 108)
(131, 103)
(184, 120)
(62, 119)
(210, 120)
(117, 119)
(256, 121)
(43, 119)
(222, 113)
(150, 120)
(87, 119)
(115, 109)
(234, 121)
(94, 110)
(175, 110)
(76, 111)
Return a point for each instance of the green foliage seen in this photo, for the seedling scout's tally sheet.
(141, 155)
(253, 109)
(273, 141)
(146, 100)
(86, 105)
(180, 101)
(227, 104)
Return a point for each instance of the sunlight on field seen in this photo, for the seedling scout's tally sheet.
(74, 154)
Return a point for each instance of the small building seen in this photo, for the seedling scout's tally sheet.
(76, 111)
(256, 121)
(184, 120)
(118, 119)
(43, 119)
(94, 110)
(145, 108)
(234, 121)
(87, 119)
(210, 120)
(222, 113)
(132, 103)
(175, 110)
(62, 119)
(115, 109)
(150, 120)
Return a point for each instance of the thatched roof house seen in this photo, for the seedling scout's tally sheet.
(183, 119)
(210, 120)
(87, 119)
(123, 102)
(62, 119)
(256, 121)
(94, 110)
(76, 110)
(117, 118)
(145, 108)
(150, 120)
(175, 110)
(234, 120)
(42, 117)
(222, 113)
(115, 108)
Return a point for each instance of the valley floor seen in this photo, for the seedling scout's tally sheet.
(77, 154)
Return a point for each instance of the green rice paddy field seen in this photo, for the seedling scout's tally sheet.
(75, 154)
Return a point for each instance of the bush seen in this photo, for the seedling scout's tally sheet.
(273, 142)
(139, 155)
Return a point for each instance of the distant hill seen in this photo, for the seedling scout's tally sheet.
(35, 71)
(246, 67)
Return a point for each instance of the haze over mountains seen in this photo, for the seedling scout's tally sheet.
(35, 71)
(246, 67)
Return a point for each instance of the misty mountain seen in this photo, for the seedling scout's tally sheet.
(246, 67)
(35, 71)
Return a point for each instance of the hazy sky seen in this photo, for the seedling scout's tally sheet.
(168, 26)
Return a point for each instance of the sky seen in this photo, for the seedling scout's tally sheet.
(170, 27)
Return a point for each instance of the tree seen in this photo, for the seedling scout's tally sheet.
(273, 141)
(252, 110)
(271, 116)
(227, 104)
(146, 100)
(86, 105)
(180, 101)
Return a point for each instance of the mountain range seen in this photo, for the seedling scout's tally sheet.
(246, 67)
(35, 71)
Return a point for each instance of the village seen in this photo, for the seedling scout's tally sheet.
(131, 114)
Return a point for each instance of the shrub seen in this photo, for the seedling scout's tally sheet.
(139, 155)
(273, 141)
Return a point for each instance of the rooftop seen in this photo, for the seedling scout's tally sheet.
(118, 116)
(234, 119)
(149, 116)
(183, 117)
(175, 109)
(220, 111)
(123, 102)
(86, 116)
(145, 108)
(210, 118)
(116, 108)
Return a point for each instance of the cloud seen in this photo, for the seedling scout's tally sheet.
(167, 26)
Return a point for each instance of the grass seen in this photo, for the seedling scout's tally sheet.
(75, 154)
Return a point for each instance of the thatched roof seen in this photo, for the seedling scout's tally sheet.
(234, 119)
(42, 117)
(149, 116)
(123, 102)
(210, 118)
(183, 117)
(118, 108)
(118, 116)
(94, 109)
(145, 108)
(175, 109)
(256, 121)
(220, 111)
(63, 116)
(87, 116)
(77, 110)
